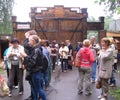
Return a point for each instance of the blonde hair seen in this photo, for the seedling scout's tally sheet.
(111, 41)
(36, 38)
(106, 40)
(29, 33)
(32, 32)
(86, 42)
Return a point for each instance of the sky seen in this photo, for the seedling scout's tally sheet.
(22, 8)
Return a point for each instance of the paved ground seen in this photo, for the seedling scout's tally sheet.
(63, 87)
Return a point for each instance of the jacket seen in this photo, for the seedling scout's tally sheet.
(27, 48)
(86, 57)
(63, 51)
(33, 61)
(105, 62)
(20, 58)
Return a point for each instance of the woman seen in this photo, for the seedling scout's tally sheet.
(86, 57)
(115, 51)
(33, 61)
(79, 45)
(15, 65)
(53, 54)
(47, 74)
(63, 51)
(6, 66)
(105, 62)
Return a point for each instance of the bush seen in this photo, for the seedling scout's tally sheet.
(115, 93)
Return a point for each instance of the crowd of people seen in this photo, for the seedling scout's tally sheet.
(98, 62)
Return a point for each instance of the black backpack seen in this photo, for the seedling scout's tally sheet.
(43, 61)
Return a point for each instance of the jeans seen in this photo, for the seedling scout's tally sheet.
(64, 64)
(70, 62)
(93, 70)
(47, 76)
(53, 59)
(36, 81)
(112, 78)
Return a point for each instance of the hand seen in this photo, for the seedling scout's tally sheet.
(13, 54)
(23, 54)
(23, 67)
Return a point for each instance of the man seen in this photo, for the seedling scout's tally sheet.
(70, 55)
(94, 49)
(34, 62)
(28, 51)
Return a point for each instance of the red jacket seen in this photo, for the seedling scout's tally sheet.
(86, 57)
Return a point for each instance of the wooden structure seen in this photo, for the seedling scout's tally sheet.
(116, 36)
(58, 23)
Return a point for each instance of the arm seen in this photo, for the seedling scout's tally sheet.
(30, 61)
(91, 57)
(66, 50)
(71, 50)
(78, 55)
(9, 53)
(108, 54)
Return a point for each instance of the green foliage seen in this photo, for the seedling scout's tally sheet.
(107, 22)
(91, 19)
(117, 10)
(115, 93)
(5, 16)
(113, 6)
(93, 33)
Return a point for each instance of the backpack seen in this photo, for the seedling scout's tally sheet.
(43, 61)
(118, 56)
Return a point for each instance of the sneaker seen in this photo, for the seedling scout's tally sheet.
(100, 96)
(103, 99)
(16, 87)
(87, 94)
(46, 88)
(80, 92)
(29, 98)
(92, 81)
(112, 85)
(10, 94)
(53, 71)
(20, 93)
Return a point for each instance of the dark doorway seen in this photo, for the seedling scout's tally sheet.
(4, 45)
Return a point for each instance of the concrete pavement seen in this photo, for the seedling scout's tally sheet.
(63, 86)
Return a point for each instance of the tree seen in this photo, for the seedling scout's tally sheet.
(91, 19)
(113, 6)
(107, 22)
(5, 16)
